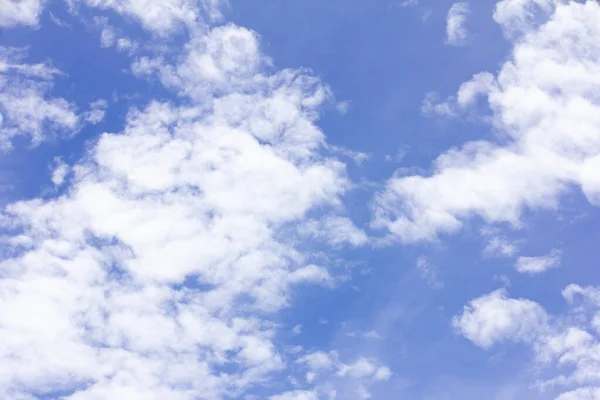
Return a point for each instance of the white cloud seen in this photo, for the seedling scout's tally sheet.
(429, 274)
(433, 107)
(227, 58)
(518, 16)
(596, 322)
(126, 44)
(357, 156)
(343, 107)
(538, 265)
(456, 32)
(60, 172)
(589, 294)
(363, 368)
(499, 246)
(372, 335)
(334, 230)
(326, 370)
(398, 157)
(319, 360)
(480, 84)
(296, 395)
(11, 62)
(576, 351)
(566, 350)
(57, 21)
(97, 112)
(495, 317)
(407, 3)
(504, 279)
(156, 273)
(544, 101)
(382, 374)
(21, 12)
(111, 36)
(25, 107)
(107, 36)
(310, 274)
(590, 393)
(162, 17)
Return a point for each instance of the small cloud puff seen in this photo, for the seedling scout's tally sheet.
(538, 265)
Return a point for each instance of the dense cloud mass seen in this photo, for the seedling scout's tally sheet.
(544, 101)
(17, 13)
(153, 276)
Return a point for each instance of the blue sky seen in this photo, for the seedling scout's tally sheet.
(299, 200)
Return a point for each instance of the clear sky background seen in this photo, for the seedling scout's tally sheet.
(299, 200)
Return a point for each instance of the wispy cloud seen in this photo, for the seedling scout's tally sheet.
(456, 31)
(429, 274)
(538, 265)
(27, 108)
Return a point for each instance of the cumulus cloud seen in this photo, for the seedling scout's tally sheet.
(171, 198)
(26, 109)
(538, 265)
(157, 271)
(495, 317)
(565, 348)
(544, 101)
(456, 32)
(227, 58)
(21, 12)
